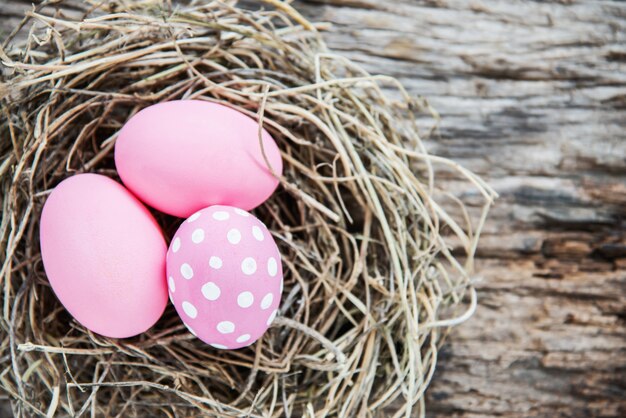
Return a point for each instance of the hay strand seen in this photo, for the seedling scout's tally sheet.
(371, 282)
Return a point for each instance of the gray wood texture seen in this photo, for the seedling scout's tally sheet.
(532, 96)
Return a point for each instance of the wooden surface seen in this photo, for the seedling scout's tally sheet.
(532, 97)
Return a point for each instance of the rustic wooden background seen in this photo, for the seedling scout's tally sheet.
(532, 96)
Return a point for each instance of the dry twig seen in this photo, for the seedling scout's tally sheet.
(370, 280)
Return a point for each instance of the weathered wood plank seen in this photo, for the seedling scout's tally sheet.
(532, 97)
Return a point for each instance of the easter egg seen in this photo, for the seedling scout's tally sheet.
(104, 256)
(224, 276)
(185, 155)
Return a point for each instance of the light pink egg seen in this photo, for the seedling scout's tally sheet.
(185, 155)
(104, 256)
(225, 276)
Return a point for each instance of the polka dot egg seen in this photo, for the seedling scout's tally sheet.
(224, 276)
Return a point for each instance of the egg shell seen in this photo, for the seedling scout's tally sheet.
(225, 276)
(185, 155)
(104, 256)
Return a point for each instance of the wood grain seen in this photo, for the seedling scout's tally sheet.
(532, 97)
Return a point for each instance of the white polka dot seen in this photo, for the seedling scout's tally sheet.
(272, 317)
(186, 271)
(226, 327)
(248, 266)
(191, 329)
(211, 291)
(281, 286)
(257, 233)
(176, 245)
(243, 338)
(190, 310)
(171, 284)
(234, 236)
(272, 267)
(193, 217)
(245, 299)
(215, 262)
(220, 346)
(221, 215)
(197, 236)
(267, 301)
(241, 212)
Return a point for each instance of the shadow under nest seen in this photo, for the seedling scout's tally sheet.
(370, 282)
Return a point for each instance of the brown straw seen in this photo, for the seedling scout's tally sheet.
(364, 226)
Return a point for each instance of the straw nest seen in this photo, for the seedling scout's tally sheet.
(371, 283)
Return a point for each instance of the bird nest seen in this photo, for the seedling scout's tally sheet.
(376, 251)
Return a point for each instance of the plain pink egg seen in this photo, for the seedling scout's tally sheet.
(185, 155)
(104, 256)
(225, 276)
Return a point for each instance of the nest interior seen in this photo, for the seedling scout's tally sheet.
(371, 282)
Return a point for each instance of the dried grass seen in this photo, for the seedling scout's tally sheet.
(371, 284)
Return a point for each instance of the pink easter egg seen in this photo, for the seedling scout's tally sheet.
(185, 155)
(224, 276)
(104, 255)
